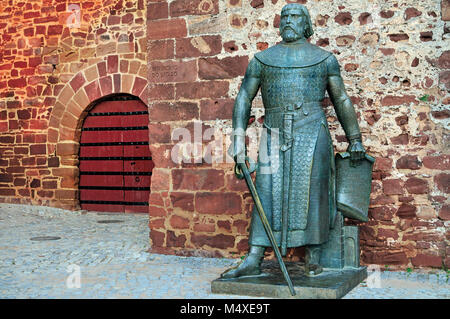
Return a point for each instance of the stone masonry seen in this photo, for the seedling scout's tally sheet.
(56, 58)
(395, 65)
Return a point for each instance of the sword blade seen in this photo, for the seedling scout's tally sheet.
(266, 225)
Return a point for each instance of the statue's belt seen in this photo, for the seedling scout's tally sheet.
(305, 107)
(294, 117)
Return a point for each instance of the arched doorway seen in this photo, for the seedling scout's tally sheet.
(115, 161)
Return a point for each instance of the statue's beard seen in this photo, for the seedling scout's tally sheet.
(289, 34)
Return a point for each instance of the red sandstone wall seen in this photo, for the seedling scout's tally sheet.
(51, 69)
(395, 64)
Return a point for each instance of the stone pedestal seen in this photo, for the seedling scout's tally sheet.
(342, 272)
(330, 284)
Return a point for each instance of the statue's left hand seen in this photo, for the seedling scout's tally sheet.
(356, 150)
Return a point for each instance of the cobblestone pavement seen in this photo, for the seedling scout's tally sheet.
(114, 262)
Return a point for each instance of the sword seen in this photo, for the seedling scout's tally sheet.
(286, 148)
(241, 170)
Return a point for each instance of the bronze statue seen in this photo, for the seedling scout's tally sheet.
(299, 193)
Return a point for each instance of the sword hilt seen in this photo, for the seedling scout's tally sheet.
(252, 166)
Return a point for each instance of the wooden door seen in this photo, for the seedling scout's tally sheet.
(115, 159)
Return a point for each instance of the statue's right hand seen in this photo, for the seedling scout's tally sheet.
(237, 149)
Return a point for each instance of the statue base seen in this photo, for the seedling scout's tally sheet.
(330, 284)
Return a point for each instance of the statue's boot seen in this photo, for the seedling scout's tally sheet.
(250, 266)
(312, 258)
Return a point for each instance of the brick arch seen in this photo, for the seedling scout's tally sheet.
(107, 77)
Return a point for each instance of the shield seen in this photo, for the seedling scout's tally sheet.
(353, 186)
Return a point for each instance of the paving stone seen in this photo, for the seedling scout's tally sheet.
(115, 263)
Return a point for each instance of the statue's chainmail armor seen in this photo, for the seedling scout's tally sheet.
(281, 87)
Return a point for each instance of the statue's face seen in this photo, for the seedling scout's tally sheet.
(292, 25)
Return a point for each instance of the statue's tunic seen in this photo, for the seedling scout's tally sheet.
(295, 179)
